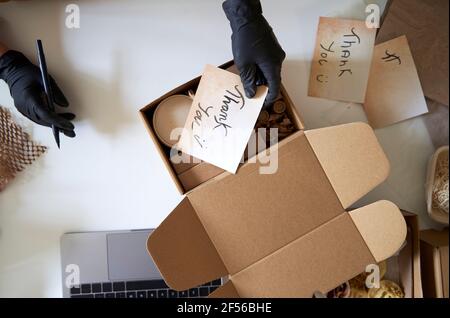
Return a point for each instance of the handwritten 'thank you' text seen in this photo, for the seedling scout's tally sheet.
(232, 98)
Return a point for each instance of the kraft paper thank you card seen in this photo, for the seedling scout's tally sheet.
(221, 119)
(394, 92)
(342, 58)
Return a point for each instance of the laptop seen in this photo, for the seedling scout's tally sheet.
(116, 265)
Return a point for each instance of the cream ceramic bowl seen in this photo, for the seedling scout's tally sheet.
(171, 114)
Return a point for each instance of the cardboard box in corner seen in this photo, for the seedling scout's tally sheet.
(286, 234)
(434, 263)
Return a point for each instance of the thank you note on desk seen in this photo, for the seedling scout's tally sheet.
(394, 92)
(342, 59)
(221, 119)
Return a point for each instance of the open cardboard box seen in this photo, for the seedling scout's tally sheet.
(407, 261)
(188, 176)
(286, 234)
(434, 259)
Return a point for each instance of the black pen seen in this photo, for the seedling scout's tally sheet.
(47, 86)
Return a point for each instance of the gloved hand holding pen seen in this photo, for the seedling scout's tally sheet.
(25, 82)
(256, 50)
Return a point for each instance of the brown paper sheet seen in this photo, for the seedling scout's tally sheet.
(394, 92)
(425, 23)
(342, 57)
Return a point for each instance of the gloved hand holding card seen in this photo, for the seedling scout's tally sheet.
(221, 119)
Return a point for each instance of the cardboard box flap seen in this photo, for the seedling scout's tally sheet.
(352, 159)
(250, 215)
(314, 262)
(264, 229)
(182, 250)
(226, 291)
(319, 261)
(383, 228)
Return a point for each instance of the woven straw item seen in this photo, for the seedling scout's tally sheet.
(17, 150)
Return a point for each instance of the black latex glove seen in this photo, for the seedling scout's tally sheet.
(256, 50)
(25, 83)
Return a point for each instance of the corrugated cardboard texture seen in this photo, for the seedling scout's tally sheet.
(323, 258)
(352, 159)
(425, 23)
(188, 242)
(381, 237)
(250, 215)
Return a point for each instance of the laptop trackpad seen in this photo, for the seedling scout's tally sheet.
(128, 258)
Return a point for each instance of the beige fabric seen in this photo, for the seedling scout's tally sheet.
(17, 150)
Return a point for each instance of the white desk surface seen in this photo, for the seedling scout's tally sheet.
(125, 55)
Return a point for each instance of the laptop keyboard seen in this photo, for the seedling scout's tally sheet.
(140, 289)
